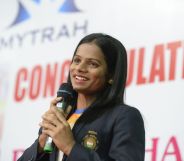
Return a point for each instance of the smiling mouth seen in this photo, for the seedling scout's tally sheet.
(80, 78)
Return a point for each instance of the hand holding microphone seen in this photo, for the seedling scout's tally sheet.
(54, 122)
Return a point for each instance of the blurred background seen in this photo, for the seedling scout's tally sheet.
(37, 41)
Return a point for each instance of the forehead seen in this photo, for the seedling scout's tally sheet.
(90, 51)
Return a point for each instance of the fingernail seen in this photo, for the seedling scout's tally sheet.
(58, 98)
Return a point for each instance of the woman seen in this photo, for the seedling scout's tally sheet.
(105, 128)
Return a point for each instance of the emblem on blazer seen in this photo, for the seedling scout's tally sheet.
(90, 141)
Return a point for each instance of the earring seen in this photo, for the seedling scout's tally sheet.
(110, 81)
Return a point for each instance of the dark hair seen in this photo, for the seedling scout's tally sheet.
(116, 59)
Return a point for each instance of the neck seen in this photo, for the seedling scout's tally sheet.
(84, 101)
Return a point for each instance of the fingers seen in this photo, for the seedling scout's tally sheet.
(55, 109)
(49, 118)
(42, 140)
(54, 117)
(47, 126)
(55, 101)
(68, 110)
(61, 117)
(60, 114)
(53, 127)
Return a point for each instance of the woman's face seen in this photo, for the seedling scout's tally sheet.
(88, 71)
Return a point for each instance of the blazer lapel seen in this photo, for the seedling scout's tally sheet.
(77, 127)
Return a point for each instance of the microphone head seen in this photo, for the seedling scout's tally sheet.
(65, 91)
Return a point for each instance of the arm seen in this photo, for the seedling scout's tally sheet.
(54, 125)
(32, 153)
(128, 141)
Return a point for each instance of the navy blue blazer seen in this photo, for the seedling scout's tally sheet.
(117, 134)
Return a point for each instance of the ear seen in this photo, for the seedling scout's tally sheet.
(110, 81)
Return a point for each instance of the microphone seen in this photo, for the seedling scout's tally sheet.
(66, 92)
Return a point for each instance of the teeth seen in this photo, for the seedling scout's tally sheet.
(80, 78)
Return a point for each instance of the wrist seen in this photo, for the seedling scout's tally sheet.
(69, 148)
(41, 143)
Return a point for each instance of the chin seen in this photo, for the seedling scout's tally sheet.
(81, 90)
(78, 89)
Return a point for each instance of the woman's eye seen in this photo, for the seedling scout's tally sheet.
(76, 60)
(93, 64)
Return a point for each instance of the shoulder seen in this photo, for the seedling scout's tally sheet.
(128, 119)
(125, 109)
(127, 113)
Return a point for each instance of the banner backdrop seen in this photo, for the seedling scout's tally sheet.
(38, 38)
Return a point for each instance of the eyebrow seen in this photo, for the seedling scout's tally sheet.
(89, 58)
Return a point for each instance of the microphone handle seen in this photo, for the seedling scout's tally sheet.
(49, 145)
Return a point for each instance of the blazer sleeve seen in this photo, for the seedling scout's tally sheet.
(128, 143)
(31, 153)
(128, 140)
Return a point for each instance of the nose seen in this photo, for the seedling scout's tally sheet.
(82, 67)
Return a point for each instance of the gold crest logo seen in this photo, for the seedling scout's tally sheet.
(90, 141)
